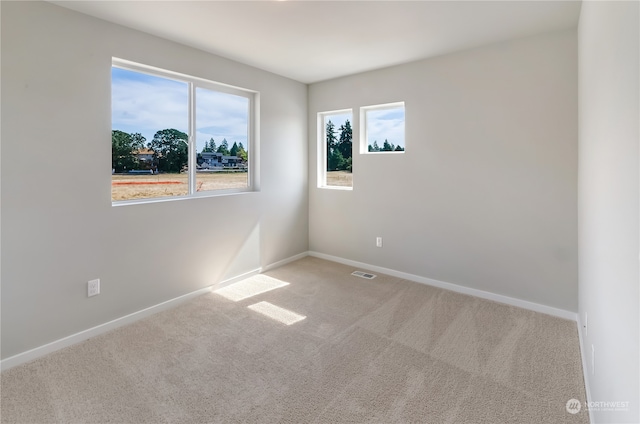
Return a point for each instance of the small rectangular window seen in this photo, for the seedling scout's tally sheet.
(383, 128)
(174, 135)
(335, 149)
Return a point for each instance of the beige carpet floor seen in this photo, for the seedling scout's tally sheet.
(383, 351)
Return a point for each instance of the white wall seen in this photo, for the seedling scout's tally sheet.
(609, 202)
(58, 226)
(486, 194)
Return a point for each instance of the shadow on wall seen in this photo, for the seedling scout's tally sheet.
(246, 257)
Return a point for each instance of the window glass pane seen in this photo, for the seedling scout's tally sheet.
(222, 140)
(338, 145)
(385, 129)
(149, 139)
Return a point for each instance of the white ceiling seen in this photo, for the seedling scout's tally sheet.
(311, 41)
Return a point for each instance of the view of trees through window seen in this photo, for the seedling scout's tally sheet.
(339, 149)
(385, 128)
(150, 142)
(222, 131)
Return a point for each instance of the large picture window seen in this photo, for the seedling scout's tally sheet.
(335, 149)
(179, 136)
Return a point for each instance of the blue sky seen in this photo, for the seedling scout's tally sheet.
(338, 119)
(221, 116)
(385, 124)
(146, 104)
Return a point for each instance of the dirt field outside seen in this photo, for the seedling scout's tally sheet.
(131, 187)
(340, 178)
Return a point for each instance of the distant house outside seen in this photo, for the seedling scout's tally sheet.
(212, 160)
(144, 155)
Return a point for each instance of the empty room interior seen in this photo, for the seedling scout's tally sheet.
(320, 212)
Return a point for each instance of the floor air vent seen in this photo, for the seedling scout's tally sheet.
(363, 275)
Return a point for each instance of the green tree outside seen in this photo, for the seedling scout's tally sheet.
(331, 142)
(386, 147)
(339, 149)
(242, 153)
(345, 146)
(170, 150)
(209, 146)
(336, 161)
(123, 148)
(224, 147)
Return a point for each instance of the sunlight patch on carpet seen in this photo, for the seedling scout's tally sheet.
(250, 287)
(272, 311)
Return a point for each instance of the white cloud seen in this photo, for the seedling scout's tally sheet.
(147, 104)
(221, 116)
(385, 124)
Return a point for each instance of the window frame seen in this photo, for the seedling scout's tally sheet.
(364, 146)
(253, 125)
(322, 149)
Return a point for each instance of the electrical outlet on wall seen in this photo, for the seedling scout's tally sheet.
(378, 241)
(93, 287)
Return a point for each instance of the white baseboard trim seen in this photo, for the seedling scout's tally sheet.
(235, 279)
(549, 310)
(285, 261)
(40, 351)
(81, 336)
(585, 369)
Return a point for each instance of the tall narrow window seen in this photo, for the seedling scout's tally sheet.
(335, 150)
(222, 134)
(149, 141)
(178, 136)
(383, 128)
